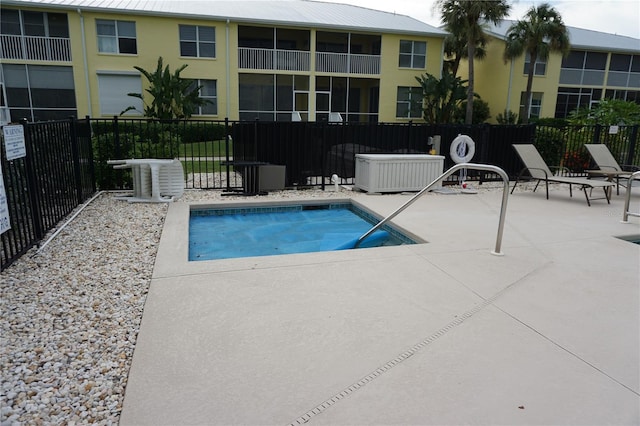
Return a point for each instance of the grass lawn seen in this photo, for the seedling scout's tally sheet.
(205, 149)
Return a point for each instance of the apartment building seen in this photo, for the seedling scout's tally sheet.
(271, 60)
(599, 66)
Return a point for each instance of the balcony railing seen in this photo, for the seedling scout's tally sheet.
(35, 48)
(347, 63)
(272, 59)
(298, 60)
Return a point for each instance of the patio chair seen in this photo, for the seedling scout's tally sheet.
(170, 180)
(608, 166)
(538, 169)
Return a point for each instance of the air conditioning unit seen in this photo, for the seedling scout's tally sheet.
(397, 173)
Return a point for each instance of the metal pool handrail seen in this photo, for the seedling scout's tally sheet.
(627, 198)
(452, 170)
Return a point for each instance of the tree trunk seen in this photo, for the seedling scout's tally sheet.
(528, 93)
(471, 53)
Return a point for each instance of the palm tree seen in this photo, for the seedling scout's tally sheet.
(455, 47)
(174, 97)
(539, 33)
(466, 19)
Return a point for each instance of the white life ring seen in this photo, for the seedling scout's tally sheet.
(462, 149)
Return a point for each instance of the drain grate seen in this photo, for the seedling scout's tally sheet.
(389, 365)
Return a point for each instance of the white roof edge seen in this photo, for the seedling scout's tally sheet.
(89, 6)
(583, 39)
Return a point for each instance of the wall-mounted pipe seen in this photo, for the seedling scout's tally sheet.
(85, 63)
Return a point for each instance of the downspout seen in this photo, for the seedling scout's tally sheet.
(84, 58)
(228, 71)
(506, 109)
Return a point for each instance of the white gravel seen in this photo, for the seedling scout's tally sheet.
(70, 314)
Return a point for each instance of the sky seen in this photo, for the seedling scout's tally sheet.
(620, 17)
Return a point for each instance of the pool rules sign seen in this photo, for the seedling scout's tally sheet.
(5, 225)
(15, 148)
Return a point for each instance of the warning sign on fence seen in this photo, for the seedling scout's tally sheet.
(14, 142)
(4, 206)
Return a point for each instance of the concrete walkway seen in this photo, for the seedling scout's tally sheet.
(438, 333)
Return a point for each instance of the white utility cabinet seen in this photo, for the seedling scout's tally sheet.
(397, 173)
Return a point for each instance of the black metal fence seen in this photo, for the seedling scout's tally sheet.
(314, 151)
(66, 160)
(43, 187)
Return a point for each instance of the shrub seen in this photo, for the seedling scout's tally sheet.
(199, 132)
(549, 121)
(576, 160)
(550, 144)
(151, 142)
(481, 111)
(509, 117)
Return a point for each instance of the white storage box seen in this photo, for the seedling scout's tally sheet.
(397, 173)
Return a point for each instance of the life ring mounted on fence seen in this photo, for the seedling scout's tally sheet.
(462, 149)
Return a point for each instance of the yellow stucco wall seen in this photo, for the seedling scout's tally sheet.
(156, 36)
(392, 76)
(159, 36)
(501, 83)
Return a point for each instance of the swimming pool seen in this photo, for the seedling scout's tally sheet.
(225, 233)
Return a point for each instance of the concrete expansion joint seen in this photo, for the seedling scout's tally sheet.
(390, 364)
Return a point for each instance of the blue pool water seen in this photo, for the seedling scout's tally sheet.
(245, 232)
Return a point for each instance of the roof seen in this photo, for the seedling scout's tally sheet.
(583, 39)
(301, 13)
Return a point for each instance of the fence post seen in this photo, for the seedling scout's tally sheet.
(596, 133)
(116, 138)
(633, 141)
(92, 166)
(32, 183)
(75, 153)
(226, 145)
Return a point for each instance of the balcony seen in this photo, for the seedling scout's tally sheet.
(35, 48)
(299, 60)
(273, 59)
(347, 63)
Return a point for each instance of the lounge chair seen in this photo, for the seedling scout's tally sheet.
(608, 166)
(538, 169)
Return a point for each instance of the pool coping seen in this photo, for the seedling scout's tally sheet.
(438, 333)
(172, 258)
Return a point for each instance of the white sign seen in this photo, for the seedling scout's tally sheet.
(4, 206)
(613, 130)
(14, 142)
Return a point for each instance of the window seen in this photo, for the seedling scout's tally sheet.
(413, 54)
(39, 92)
(116, 36)
(535, 106)
(540, 67)
(625, 95)
(571, 98)
(583, 68)
(10, 22)
(208, 92)
(41, 24)
(197, 41)
(409, 104)
(113, 89)
(624, 70)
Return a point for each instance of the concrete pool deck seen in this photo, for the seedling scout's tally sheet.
(437, 333)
